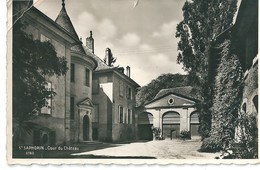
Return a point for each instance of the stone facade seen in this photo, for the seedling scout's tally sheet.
(245, 43)
(172, 112)
(250, 92)
(59, 124)
(112, 93)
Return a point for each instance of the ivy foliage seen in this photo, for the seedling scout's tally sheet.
(226, 101)
(32, 61)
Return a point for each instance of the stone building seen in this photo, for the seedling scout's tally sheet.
(244, 43)
(113, 98)
(172, 110)
(245, 39)
(67, 116)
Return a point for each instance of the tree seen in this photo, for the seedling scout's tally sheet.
(32, 61)
(148, 92)
(203, 21)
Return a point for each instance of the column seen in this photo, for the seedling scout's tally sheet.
(183, 119)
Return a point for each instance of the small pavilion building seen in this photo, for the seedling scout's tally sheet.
(172, 110)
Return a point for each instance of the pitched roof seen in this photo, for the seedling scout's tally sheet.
(101, 65)
(64, 21)
(186, 91)
(78, 48)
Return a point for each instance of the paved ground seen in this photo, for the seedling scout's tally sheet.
(165, 149)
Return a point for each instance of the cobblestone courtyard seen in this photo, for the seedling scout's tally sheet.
(164, 149)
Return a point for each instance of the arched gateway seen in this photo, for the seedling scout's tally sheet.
(85, 117)
(85, 128)
(145, 123)
(172, 110)
(171, 124)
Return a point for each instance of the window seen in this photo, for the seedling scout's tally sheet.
(129, 116)
(129, 93)
(72, 107)
(87, 77)
(121, 89)
(95, 86)
(255, 101)
(121, 114)
(125, 117)
(96, 113)
(244, 108)
(72, 72)
(47, 108)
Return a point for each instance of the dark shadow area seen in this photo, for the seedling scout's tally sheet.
(145, 123)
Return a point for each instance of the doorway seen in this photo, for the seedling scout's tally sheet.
(171, 125)
(85, 128)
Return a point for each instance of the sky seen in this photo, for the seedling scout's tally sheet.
(142, 37)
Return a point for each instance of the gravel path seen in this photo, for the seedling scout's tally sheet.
(165, 149)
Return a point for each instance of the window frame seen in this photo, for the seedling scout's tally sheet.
(95, 113)
(72, 108)
(72, 72)
(48, 101)
(87, 77)
(120, 115)
(95, 86)
(121, 88)
(129, 116)
(129, 93)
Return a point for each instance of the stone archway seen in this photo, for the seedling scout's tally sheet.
(171, 125)
(194, 123)
(85, 120)
(145, 123)
(86, 128)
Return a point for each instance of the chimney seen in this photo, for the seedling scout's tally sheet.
(107, 56)
(128, 71)
(109, 59)
(90, 42)
(121, 69)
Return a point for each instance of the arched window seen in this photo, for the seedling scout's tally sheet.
(171, 118)
(145, 118)
(255, 101)
(194, 117)
(244, 107)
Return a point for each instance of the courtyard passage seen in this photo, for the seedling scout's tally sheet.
(163, 149)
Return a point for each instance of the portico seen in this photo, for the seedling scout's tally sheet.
(170, 111)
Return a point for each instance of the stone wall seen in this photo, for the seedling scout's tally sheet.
(54, 121)
(123, 131)
(102, 98)
(250, 87)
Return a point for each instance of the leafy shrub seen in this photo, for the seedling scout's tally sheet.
(185, 134)
(247, 145)
(157, 133)
(210, 145)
